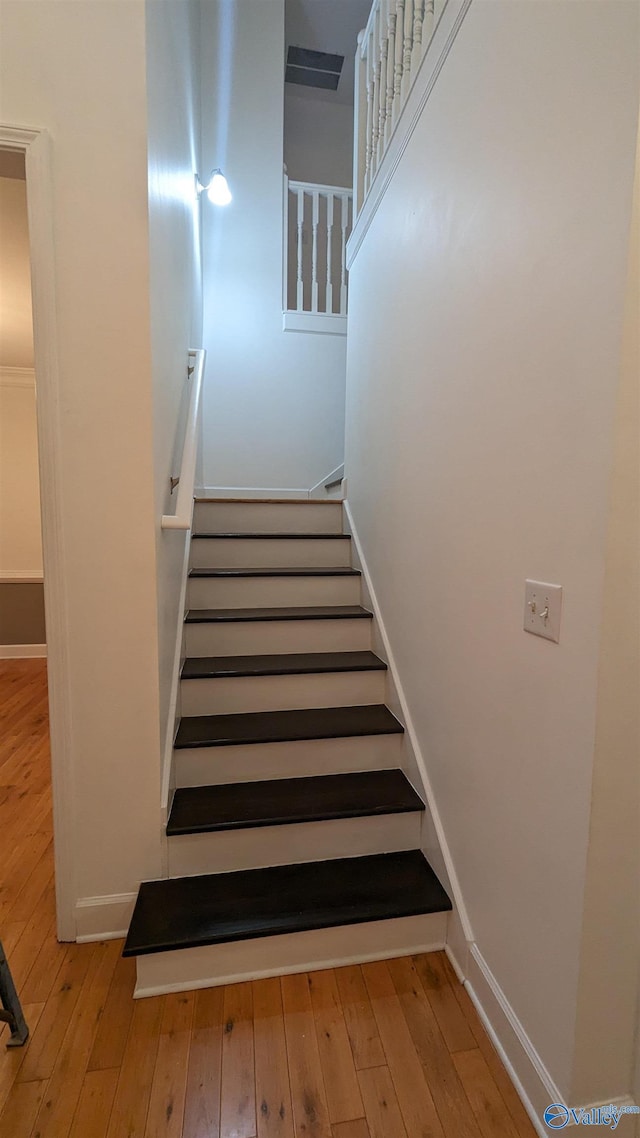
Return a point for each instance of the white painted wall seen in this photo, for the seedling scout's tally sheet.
(318, 139)
(16, 329)
(78, 70)
(20, 540)
(173, 102)
(479, 447)
(611, 941)
(273, 401)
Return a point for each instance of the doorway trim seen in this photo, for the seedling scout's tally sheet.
(36, 146)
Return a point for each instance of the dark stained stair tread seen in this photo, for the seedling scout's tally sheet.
(295, 612)
(277, 571)
(204, 809)
(286, 726)
(264, 534)
(187, 912)
(280, 664)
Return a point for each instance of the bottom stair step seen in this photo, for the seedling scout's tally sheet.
(191, 912)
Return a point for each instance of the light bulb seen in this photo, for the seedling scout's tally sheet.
(218, 190)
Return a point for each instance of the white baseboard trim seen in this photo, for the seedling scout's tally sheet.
(21, 577)
(319, 323)
(22, 651)
(103, 918)
(529, 1075)
(458, 899)
(250, 492)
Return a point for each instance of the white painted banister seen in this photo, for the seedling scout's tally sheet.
(317, 223)
(186, 481)
(390, 51)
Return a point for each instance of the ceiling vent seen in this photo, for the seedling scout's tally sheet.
(313, 68)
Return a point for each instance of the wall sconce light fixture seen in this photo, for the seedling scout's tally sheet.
(217, 188)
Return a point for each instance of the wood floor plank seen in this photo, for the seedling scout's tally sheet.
(453, 1107)
(131, 1103)
(202, 1106)
(356, 1129)
(273, 1096)
(310, 1109)
(494, 1120)
(517, 1111)
(64, 1089)
(238, 1110)
(169, 1087)
(11, 1059)
(46, 1040)
(94, 1107)
(415, 1099)
(336, 1057)
(21, 1109)
(384, 1116)
(111, 1038)
(359, 1018)
(435, 981)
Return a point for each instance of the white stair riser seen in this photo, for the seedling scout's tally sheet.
(199, 766)
(267, 517)
(271, 592)
(211, 553)
(215, 964)
(254, 848)
(252, 637)
(280, 693)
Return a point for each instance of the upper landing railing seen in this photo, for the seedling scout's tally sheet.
(317, 224)
(390, 51)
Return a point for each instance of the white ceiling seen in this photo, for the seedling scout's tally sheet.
(326, 25)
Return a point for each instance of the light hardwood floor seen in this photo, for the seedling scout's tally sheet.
(390, 1050)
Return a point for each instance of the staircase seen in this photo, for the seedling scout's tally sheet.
(293, 834)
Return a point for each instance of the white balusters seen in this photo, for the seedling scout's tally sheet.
(418, 19)
(398, 60)
(320, 274)
(391, 68)
(368, 63)
(406, 49)
(382, 79)
(390, 51)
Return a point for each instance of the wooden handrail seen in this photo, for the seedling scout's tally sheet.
(186, 479)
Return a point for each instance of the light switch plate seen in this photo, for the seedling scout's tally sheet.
(542, 609)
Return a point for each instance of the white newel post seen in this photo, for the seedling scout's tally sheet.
(361, 112)
(299, 283)
(344, 220)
